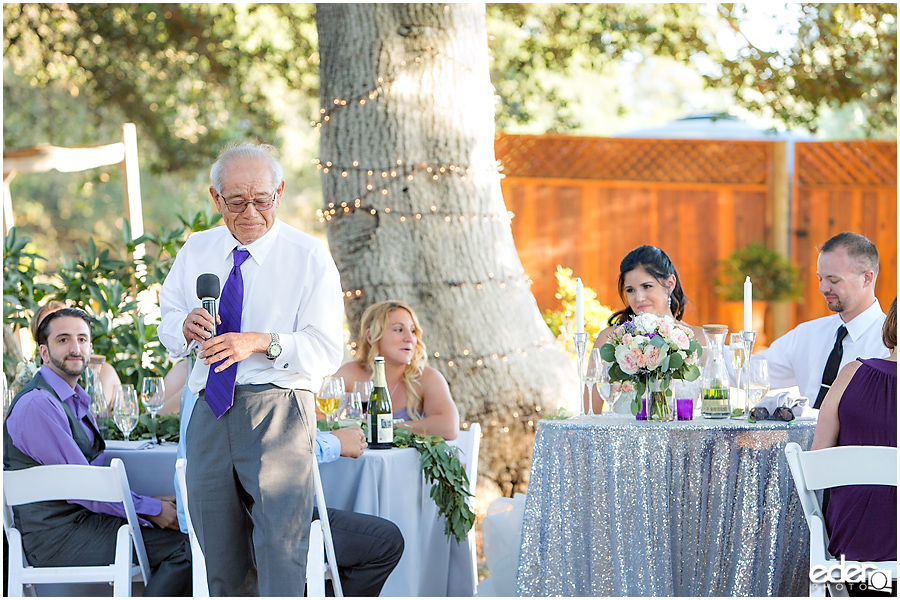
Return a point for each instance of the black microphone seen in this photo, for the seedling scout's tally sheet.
(208, 292)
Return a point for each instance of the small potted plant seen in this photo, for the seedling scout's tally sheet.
(773, 276)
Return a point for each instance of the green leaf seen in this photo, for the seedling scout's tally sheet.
(692, 373)
(442, 468)
(675, 361)
(608, 353)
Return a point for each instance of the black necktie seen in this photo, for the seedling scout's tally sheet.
(831, 366)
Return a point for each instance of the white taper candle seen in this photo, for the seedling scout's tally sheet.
(579, 306)
(748, 305)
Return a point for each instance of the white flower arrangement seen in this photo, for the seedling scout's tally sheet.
(651, 346)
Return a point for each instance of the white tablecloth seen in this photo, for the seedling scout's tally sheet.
(150, 467)
(390, 484)
(386, 483)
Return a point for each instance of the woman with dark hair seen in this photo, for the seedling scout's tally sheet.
(860, 409)
(649, 283)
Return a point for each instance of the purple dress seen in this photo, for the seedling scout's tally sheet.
(862, 519)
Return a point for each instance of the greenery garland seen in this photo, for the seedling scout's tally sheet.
(443, 469)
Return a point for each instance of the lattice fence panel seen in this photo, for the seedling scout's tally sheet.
(857, 164)
(638, 160)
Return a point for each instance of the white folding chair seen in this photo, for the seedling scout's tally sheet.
(833, 467)
(469, 443)
(317, 570)
(74, 482)
(198, 562)
(320, 544)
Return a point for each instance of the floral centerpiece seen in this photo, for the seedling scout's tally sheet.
(649, 352)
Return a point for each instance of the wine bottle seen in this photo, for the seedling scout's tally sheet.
(381, 413)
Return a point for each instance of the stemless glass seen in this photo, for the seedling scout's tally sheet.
(329, 397)
(153, 395)
(125, 409)
(757, 380)
(365, 390)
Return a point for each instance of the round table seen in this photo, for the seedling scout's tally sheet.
(619, 507)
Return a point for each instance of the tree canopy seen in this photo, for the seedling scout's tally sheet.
(195, 76)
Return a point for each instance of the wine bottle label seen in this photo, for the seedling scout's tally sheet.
(386, 428)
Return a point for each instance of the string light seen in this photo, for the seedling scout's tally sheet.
(380, 181)
(483, 361)
(380, 84)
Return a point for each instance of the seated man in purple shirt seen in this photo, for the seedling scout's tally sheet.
(49, 422)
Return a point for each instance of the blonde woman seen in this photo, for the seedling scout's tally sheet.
(419, 394)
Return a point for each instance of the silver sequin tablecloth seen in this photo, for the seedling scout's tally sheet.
(618, 507)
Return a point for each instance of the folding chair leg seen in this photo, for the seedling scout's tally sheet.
(124, 559)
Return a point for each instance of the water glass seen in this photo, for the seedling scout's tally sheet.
(125, 409)
(153, 396)
(757, 380)
(354, 406)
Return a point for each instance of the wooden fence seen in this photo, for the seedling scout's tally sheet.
(844, 186)
(586, 202)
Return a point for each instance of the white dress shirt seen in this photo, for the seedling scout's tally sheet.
(291, 287)
(799, 356)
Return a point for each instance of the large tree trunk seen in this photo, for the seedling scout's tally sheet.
(414, 212)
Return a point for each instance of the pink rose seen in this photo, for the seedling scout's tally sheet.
(629, 359)
(680, 339)
(626, 339)
(627, 387)
(639, 358)
(664, 327)
(653, 357)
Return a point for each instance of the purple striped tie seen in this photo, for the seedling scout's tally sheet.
(219, 392)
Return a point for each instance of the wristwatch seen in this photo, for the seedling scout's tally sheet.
(274, 349)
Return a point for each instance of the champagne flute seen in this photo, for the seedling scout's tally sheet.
(757, 380)
(125, 409)
(594, 375)
(737, 351)
(153, 396)
(738, 355)
(365, 389)
(329, 397)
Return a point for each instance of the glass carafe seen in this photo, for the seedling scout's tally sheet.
(715, 402)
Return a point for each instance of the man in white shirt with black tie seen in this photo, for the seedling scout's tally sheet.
(810, 355)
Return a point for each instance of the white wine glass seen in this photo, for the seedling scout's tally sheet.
(329, 397)
(757, 380)
(125, 409)
(364, 388)
(153, 396)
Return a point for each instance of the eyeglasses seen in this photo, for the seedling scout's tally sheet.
(782, 413)
(239, 206)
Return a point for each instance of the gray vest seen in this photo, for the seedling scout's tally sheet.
(42, 516)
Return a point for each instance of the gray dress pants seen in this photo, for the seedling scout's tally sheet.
(249, 477)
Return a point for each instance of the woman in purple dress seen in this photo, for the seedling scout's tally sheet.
(861, 410)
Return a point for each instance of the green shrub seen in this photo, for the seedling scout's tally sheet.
(562, 320)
